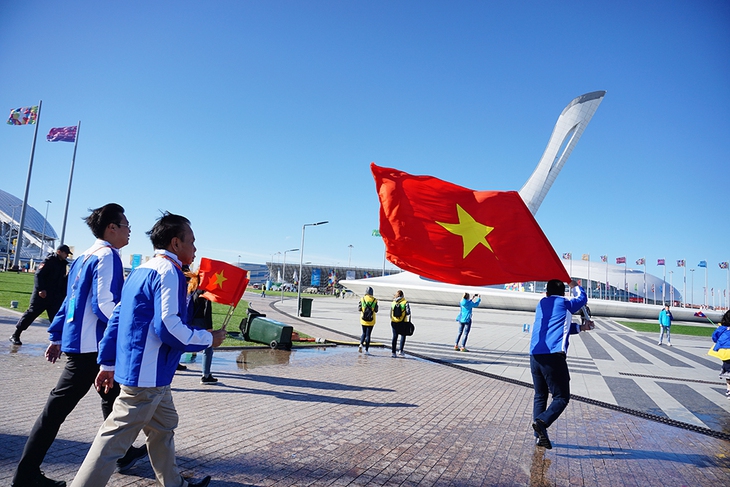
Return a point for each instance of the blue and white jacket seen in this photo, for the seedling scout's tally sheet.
(94, 287)
(553, 322)
(148, 333)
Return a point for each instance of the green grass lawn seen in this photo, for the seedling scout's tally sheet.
(698, 331)
(19, 287)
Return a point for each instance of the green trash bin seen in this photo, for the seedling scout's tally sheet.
(271, 332)
(306, 307)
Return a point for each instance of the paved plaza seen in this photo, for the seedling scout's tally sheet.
(644, 415)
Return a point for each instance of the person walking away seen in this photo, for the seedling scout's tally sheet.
(368, 308)
(143, 343)
(721, 350)
(665, 321)
(548, 349)
(201, 317)
(400, 317)
(49, 290)
(464, 319)
(94, 287)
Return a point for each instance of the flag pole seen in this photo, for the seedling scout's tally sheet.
(70, 180)
(19, 241)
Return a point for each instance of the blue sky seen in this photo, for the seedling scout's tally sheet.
(254, 118)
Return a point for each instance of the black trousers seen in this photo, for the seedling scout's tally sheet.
(73, 384)
(37, 306)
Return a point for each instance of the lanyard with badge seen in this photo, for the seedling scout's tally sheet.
(72, 299)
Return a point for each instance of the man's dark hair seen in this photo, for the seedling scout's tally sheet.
(167, 227)
(726, 318)
(555, 287)
(100, 218)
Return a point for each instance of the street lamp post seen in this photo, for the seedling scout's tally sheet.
(283, 273)
(301, 262)
(43, 236)
(349, 258)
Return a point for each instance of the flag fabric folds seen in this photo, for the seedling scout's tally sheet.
(660, 262)
(703, 263)
(62, 134)
(222, 282)
(23, 116)
(586, 257)
(452, 234)
(724, 265)
(680, 263)
(641, 261)
(620, 260)
(604, 258)
(567, 255)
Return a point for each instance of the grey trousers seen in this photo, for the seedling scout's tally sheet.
(148, 409)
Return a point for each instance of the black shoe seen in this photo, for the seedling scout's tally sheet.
(208, 380)
(202, 483)
(15, 340)
(39, 480)
(181, 367)
(542, 436)
(130, 458)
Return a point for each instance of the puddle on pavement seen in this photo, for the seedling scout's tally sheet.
(30, 349)
(251, 359)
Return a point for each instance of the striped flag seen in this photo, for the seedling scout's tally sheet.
(660, 262)
(23, 116)
(620, 260)
(62, 134)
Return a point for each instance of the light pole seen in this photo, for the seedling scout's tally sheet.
(43, 237)
(301, 262)
(349, 258)
(692, 291)
(283, 273)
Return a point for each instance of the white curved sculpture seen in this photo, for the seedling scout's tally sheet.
(568, 129)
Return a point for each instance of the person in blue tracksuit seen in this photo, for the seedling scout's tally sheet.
(93, 288)
(548, 348)
(140, 350)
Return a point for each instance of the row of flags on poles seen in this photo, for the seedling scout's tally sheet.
(642, 261)
(29, 116)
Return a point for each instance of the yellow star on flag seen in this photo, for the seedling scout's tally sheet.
(471, 231)
(218, 279)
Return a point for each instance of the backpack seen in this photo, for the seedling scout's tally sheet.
(397, 311)
(367, 312)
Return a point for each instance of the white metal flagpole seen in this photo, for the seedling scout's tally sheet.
(19, 241)
(70, 180)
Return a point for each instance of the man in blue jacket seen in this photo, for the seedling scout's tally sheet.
(94, 286)
(548, 349)
(142, 345)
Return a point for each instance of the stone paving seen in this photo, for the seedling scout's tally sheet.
(332, 416)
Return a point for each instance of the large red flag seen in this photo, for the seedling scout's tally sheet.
(222, 282)
(459, 236)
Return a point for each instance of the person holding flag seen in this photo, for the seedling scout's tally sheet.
(140, 350)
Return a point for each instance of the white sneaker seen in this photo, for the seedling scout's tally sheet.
(669, 344)
(393, 355)
(659, 343)
(400, 352)
(359, 349)
(367, 353)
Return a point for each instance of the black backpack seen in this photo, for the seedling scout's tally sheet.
(367, 312)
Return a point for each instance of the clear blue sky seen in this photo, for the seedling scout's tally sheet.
(253, 118)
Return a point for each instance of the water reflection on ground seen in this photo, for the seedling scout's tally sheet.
(263, 357)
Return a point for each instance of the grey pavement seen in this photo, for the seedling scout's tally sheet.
(332, 416)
